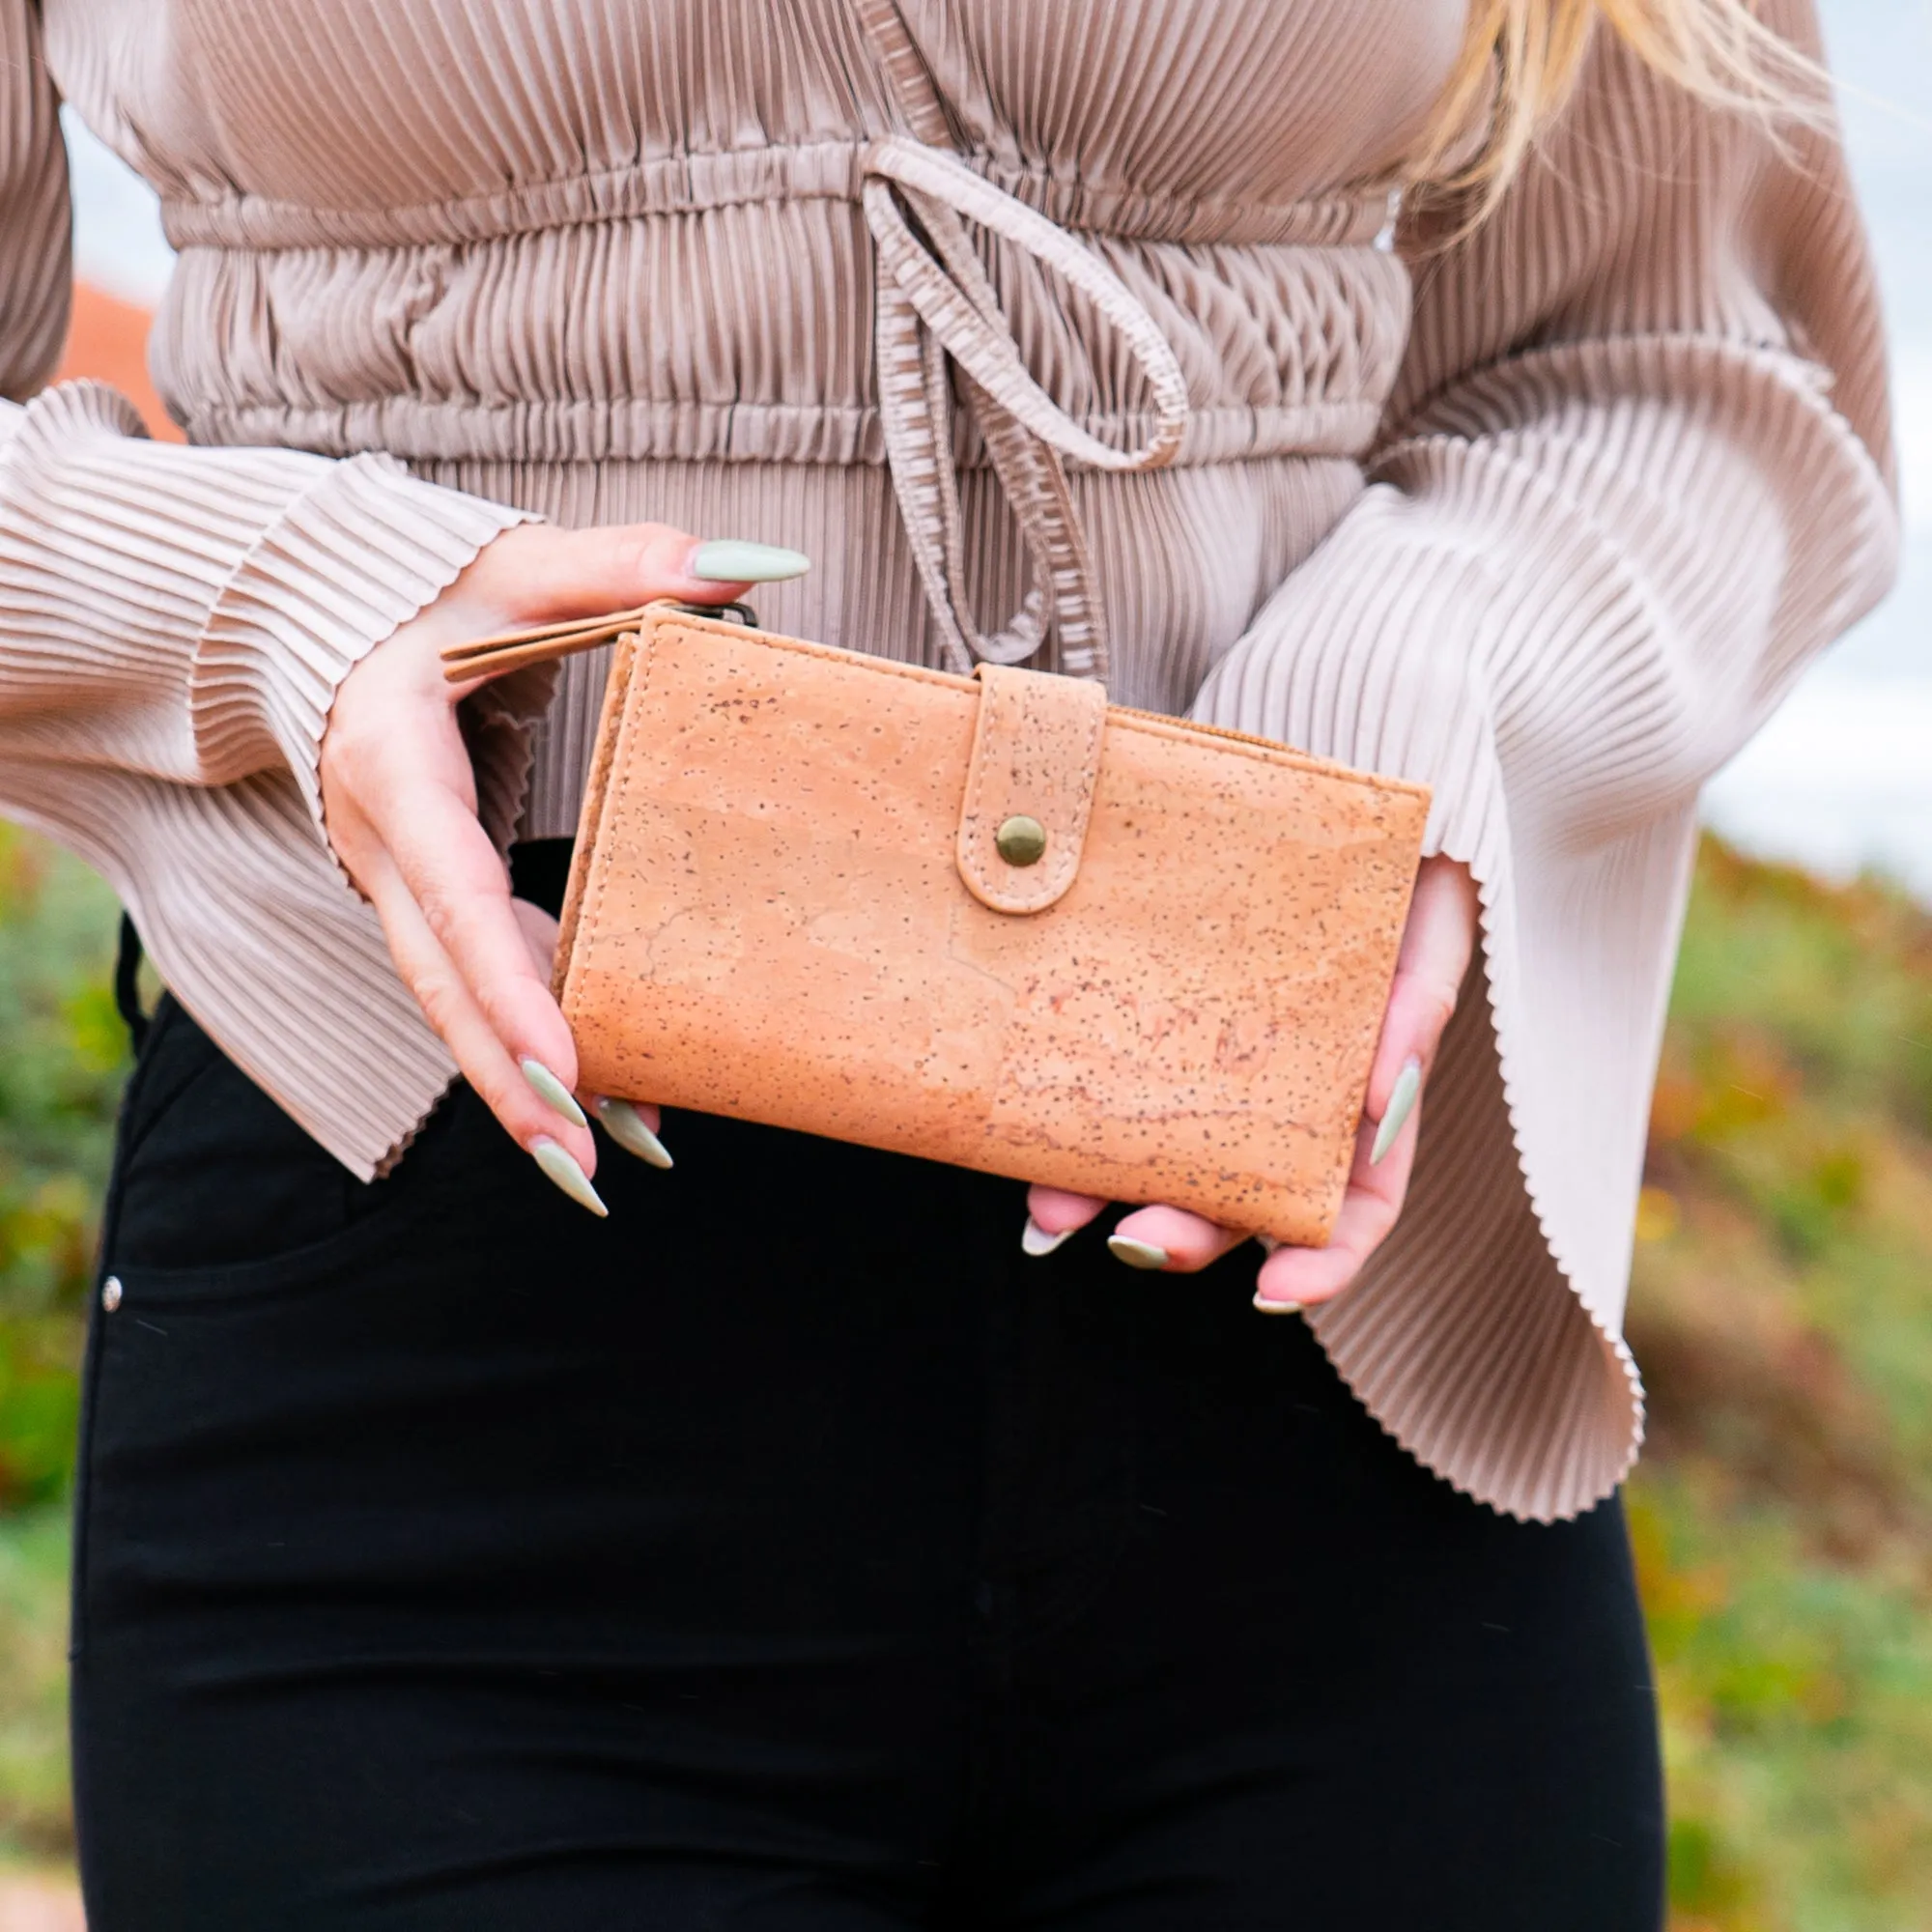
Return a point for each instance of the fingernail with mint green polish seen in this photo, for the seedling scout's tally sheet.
(552, 1092)
(1136, 1254)
(626, 1126)
(561, 1165)
(1035, 1239)
(734, 561)
(1402, 1104)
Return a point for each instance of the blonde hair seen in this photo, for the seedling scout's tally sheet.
(1521, 58)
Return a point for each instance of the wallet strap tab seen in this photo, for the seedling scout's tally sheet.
(1029, 786)
(542, 644)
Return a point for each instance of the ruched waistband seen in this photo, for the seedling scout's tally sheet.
(593, 431)
(691, 184)
(715, 308)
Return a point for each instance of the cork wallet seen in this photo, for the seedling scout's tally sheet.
(992, 920)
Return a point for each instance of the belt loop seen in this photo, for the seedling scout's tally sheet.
(128, 983)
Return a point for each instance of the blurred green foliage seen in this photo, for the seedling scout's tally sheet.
(1783, 1311)
(60, 1077)
(35, 1811)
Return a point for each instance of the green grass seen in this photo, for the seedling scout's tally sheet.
(1783, 1311)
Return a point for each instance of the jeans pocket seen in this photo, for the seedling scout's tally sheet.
(210, 1171)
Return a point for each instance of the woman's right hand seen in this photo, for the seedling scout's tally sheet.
(399, 800)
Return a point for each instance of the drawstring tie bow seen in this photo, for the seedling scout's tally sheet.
(935, 303)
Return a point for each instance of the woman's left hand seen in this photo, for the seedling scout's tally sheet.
(1436, 947)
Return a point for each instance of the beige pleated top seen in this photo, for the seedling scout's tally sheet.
(1072, 331)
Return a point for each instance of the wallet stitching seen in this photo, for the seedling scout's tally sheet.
(1041, 890)
(861, 662)
(640, 672)
(598, 886)
(581, 903)
(1128, 718)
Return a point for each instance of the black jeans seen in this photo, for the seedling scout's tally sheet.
(788, 1551)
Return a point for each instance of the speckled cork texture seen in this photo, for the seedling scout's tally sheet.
(771, 917)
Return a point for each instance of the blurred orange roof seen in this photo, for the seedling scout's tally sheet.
(108, 339)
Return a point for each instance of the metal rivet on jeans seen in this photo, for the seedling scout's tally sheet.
(110, 1293)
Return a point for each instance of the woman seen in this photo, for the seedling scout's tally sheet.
(824, 1539)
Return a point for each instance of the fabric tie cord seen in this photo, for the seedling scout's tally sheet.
(936, 301)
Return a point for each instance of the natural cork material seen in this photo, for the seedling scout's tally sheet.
(771, 917)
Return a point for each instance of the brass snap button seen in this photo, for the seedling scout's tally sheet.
(1021, 840)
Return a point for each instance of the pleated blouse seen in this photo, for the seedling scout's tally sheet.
(1549, 516)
